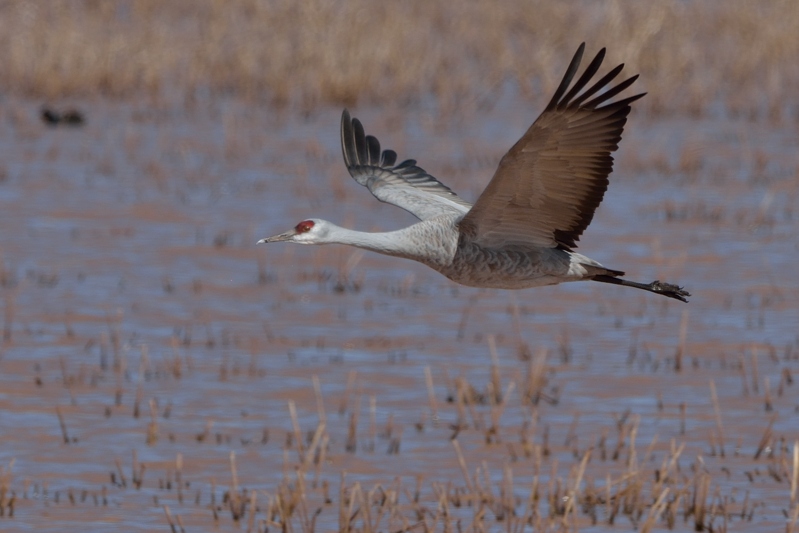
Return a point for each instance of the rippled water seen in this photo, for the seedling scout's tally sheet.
(130, 271)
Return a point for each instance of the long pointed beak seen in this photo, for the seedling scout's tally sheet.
(277, 238)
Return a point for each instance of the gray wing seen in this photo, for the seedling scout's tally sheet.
(404, 185)
(547, 187)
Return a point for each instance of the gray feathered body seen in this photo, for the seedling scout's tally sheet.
(439, 244)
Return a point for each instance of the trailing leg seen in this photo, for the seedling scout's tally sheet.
(657, 287)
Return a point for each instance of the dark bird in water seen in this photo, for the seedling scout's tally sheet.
(68, 117)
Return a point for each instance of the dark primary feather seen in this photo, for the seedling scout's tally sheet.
(549, 184)
(376, 170)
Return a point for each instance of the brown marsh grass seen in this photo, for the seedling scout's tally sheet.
(316, 52)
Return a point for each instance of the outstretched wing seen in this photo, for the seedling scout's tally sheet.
(549, 184)
(404, 185)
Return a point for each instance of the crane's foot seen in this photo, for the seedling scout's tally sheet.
(656, 287)
(670, 290)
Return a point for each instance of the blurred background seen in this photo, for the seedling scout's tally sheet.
(307, 55)
(158, 369)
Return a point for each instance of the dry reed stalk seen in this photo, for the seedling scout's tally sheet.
(650, 448)
(180, 523)
(352, 429)
(792, 521)
(496, 384)
(252, 368)
(467, 396)
(669, 463)
(766, 438)
(119, 370)
(526, 436)
(320, 461)
(144, 364)
(385, 502)
(311, 454)
(601, 444)
(699, 505)
(139, 390)
(234, 475)
(62, 424)
(632, 460)
(236, 502)
(552, 492)
(431, 395)
(462, 464)
(717, 413)
(179, 476)
(785, 380)
(352, 261)
(655, 511)
(372, 421)
(484, 489)
(755, 372)
(536, 379)
(575, 491)
(251, 520)
(681, 346)
(176, 362)
(682, 418)
(67, 380)
(465, 317)
(460, 404)
(498, 410)
(169, 519)
(768, 406)
(123, 482)
(299, 501)
(571, 433)
(8, 316)
(744, 379)
(320, 404)
(286, 464)
(351, 514)
(295, 425)
(795, 473)
(345, 399)
(137, 471)
(152, 427)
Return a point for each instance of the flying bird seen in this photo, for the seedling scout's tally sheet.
(523, 230)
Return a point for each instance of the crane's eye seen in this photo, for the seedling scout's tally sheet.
(304, 226)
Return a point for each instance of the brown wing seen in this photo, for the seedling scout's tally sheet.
(548, 185)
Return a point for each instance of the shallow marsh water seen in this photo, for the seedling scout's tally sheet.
(130, 277)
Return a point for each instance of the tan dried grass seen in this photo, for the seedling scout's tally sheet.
(319, 52)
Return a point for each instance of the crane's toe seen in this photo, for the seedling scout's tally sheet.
(670, 290)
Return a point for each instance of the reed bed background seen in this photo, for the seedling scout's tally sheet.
(698, 55)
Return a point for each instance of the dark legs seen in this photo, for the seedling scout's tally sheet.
(657, 287)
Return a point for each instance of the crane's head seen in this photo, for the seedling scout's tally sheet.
(311, 231)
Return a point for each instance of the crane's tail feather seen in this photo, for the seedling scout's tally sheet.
(657, 287)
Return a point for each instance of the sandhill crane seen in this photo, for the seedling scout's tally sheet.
(524, 227)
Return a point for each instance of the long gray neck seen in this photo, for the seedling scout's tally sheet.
(422, 242)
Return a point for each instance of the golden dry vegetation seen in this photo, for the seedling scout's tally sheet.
(315, 52)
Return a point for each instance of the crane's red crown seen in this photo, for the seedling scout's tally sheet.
(304, 226)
